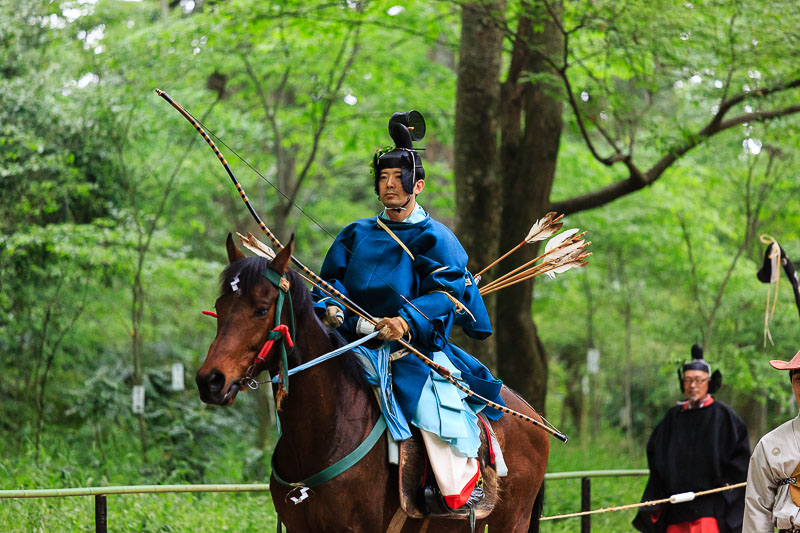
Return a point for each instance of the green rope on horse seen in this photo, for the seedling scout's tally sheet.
(339, 466)
(277, 279)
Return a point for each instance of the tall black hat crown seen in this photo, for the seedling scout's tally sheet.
(404, 129)
(770, 269)
(698, 363)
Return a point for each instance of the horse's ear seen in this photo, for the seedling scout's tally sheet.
(234, 254)
(281, 262)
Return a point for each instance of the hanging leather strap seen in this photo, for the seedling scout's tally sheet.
(397, 522)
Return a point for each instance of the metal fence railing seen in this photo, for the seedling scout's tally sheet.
(100, 493)
(586, 487)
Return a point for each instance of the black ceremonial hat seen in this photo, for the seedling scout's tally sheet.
(404, 128)
(698, 363)
(770, 269)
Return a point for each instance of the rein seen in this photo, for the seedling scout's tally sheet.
(324, 357)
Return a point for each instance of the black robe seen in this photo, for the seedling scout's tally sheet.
(691, 451)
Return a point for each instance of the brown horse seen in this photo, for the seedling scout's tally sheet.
(330, 410)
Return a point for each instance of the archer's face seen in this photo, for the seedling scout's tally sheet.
(390, 188)
(391, 192)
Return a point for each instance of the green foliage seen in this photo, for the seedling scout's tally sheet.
(655, 73)
(66, 465)
(564, 496)
(184, 435)
(98, 173)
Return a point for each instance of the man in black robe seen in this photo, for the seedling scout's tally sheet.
(700, 444)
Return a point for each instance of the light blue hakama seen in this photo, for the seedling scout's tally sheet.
(442, 408)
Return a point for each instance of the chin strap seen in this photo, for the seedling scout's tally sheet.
(402, 207)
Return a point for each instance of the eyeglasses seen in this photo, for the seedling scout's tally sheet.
(694, 381)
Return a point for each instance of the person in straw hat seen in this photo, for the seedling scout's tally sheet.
(772, 499)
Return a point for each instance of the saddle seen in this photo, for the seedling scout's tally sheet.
(414, 472)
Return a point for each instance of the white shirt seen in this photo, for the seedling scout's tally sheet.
(417, 215)
(767, 505)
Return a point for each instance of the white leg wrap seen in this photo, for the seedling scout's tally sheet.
(453, 472)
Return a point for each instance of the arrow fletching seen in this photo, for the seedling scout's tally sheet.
(566, 253)
(560, 238)
(256, 246)
(544, 227)
(579, 263)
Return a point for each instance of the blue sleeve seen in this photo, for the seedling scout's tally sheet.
(333, 270)
(441, 273)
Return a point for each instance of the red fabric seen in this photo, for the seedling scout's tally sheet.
(283, 329)
(655, 516)
(457, 500)
(210, 313)
(707, 524)
(708, 400)
(488, 438)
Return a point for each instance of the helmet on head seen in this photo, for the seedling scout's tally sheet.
(404, 128)
(698, 363)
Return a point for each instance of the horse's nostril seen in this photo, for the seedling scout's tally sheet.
(216, 381)
(212, 382)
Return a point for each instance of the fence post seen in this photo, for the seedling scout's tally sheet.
(586, 504)
(100, 514)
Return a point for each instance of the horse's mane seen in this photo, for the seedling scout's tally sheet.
(250, 272)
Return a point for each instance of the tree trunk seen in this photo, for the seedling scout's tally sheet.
(475, 147)
(531, 129)
(588, 392)
(137, 312)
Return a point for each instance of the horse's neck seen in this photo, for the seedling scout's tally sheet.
(326, 412)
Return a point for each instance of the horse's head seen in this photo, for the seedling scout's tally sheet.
(246, 311)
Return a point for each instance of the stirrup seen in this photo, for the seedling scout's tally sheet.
(431, 500)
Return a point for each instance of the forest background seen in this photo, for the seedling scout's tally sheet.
(669, 130)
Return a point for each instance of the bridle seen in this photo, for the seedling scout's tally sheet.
(280, 331)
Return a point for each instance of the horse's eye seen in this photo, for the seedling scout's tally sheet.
(262, 312)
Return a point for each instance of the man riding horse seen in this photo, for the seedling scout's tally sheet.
(410, 269)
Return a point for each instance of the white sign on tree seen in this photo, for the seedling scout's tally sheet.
(138, 399)
(593, 361)
(177, 376)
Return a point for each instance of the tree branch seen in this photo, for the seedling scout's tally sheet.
(638, 179)
(692, 268)
(332, 93)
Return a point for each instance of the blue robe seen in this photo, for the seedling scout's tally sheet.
(366, 264)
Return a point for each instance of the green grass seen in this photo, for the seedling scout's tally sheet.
(62, 464)
(143, 512)
(65, 464)
(606, 452)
